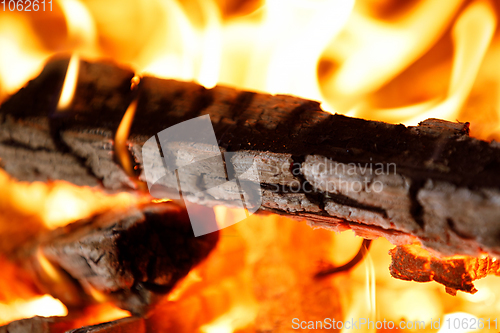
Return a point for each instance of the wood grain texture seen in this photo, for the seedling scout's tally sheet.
(438, 185)
(132, 257)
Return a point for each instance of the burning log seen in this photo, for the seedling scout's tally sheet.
(39, 325)
(64, 324)
(126, 325)
(131, 257)
(412, 263)
(430, 183)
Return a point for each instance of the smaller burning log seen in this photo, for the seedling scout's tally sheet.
(64, 324)
(413, 263)
(39, 325)
(126, 325)
(131, 257)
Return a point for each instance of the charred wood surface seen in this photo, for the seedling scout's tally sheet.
(131, 257)
(68, 324)
(412, 263)
(126, 325)
(431, 182)
(39, 325)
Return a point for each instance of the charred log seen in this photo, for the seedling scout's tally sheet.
(132, 257)
(430, 183)
(68, 324)
(126, 325)
(39, 325)
(412, 263)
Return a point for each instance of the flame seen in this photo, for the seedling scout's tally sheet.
(48, 268)
(372, 51)
(82, 32)
(66, 203)
(238, 317)
(384, 60)
(102, 313)
(477, 20)
(182, 50)
(96, 295)
(160, 200)
(287, 24)
(121, 137)
(55, 204)
(21, 56)
(44, 306)
(69, 85)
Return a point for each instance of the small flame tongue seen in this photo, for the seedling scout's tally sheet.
(70, 82)
(82, 32)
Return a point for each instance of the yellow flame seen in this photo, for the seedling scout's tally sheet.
(49, 269)
(121, 138)
(472, 34)
(44, 306)
(21, 56)
(192, 278)
(160, 200)
(371, 51)
(82, 32)
(70, 82)
(211, 45)
(370, 287)
(171, 52)
(292, 46)
(66, 203)
(101, 313)
(238, 317)
(56, 204)
(96, 295)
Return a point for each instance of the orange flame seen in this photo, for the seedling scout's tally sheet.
(44, 306)
(121, 138)
(69, 85)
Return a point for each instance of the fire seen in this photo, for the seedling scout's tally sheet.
(69, 86)
(383, 60)
(21, 56)
(20, 299)
(44, 306)
(121, 138)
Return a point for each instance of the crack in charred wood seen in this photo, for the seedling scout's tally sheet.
(16, 144)
(416, 208)
(451, 224)
(312, 194)
(346, 201)
(235, 119)
(240, 105)
(203, 100)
